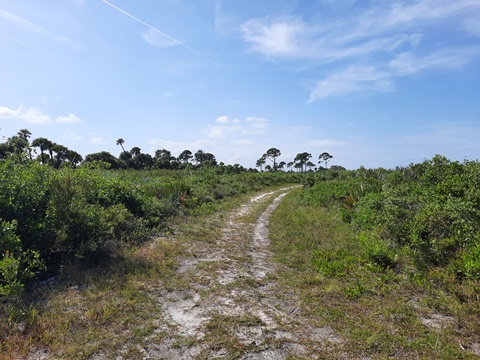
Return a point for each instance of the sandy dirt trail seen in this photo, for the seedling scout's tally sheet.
(234, 306)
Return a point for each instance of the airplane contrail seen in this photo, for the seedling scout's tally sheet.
(161, 32)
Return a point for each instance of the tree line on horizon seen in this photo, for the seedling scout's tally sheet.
(301, 162)
(56, 155)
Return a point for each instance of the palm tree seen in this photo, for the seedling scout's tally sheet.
(121, 142)
(43, 144)
(60, 156)
(73, 157)
(24, 134)
(18, 145)
(49, 147)
(135, 151)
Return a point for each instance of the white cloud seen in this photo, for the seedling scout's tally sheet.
(5, 112)
(385, 41)
(222, 119)
(223, 131)
(274, 38)
(351, 80)
(32, 115)
(251, 125)
(69, 119)
(356, 79)
(217, 132)
(407, 63)
(256, 119)
(255, 125)
(97, 140)
(156, 38)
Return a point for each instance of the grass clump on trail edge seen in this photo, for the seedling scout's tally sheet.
(387, 258)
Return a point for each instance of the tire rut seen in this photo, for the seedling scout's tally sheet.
(234, 306)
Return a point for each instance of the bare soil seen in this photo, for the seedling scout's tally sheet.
(234, 306)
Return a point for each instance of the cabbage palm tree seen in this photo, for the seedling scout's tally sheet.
(121, 142)
(43, 144)
(73, 157)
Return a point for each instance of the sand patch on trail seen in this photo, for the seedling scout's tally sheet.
(234, 306)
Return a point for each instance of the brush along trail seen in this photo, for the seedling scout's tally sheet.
(233, 306)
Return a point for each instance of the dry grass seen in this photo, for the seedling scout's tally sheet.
(106, 309)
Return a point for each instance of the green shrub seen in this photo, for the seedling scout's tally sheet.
(378, 251)
(469, 266)
(432, 208)
(16, 265)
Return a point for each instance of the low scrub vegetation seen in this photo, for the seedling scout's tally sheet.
(430, 210)
(390, 258)
(49, 217)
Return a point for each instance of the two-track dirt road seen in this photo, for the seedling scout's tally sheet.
(234, 306)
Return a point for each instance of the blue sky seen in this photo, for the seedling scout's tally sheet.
(374, 83)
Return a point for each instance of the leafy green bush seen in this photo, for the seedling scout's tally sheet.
(431, 208)
(16, 265)
(88, 212)
(470, 261)
(378, 251)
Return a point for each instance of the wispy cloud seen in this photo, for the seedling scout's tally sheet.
(28, 25)
(222, 119)
(154, 29)
(230, 139)
(281, 37)
(20, 21)
(353, 79)
(155, 38)
(235, 127)
(408, 63)
(385, 41)
(380, 78)
(69, 119)
(32, 115)
(97, 140)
